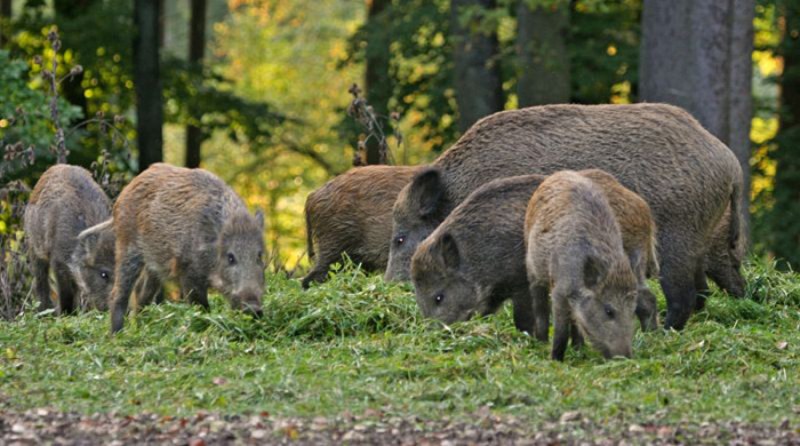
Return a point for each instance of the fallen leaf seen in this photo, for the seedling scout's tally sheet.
(782, 345)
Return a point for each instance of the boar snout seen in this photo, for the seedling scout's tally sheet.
(249, 301)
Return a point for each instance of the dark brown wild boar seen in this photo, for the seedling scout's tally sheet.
(686, 175)
(352, 214)
(575, 253)
(475, 259)
(64, 202)
(92, 265)
(189, 224)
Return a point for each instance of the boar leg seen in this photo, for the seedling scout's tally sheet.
(678, 284)
(195, 288)
(317, 275)
(127, 271)
(41, 283)
(576, 335)
(148, 289)
(562, 321)
(646, 308)
(541, 311)
(66, 289)
(524, 317)
(701, 283)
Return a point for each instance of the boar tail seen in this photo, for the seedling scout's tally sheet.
(735, 226)
(309, 235)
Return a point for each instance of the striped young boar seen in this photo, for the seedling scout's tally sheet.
(686, 175)
(352, 214)
(64, 202)
(575, 252)
(190, 225)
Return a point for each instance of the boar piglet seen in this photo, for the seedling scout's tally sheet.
(92, 266)
(475, 259)
(187, 224)
(575, 252)
(352, 214)
(64, 202)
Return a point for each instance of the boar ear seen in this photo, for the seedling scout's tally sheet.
(260, 217)
(593, 271)
(88, 239)
(426, 192)
(451, 257)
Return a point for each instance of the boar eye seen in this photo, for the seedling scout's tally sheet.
(399, 240)
(439, 298)
(104, 274)
(609, 312)
(231, 259)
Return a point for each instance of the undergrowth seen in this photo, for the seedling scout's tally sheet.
(356, 342)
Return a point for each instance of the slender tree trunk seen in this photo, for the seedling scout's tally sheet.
(149, 111)
(73, 88)
(377, 83)
(478, 83)
(5, 16)
(785, 229)
(544, 76)
(697, 54)
(197, 45)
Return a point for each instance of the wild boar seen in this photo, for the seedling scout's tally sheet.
(475, 259)
(685, 174)
(352, 214)
(92, 266)
(575, 252)
(187, 224)
(64, 202)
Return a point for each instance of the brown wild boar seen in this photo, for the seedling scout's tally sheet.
(92, 266)
(189, 224)
(64, 202)
(352, 214)
(575, 252)
(475, 259)
(686, 175)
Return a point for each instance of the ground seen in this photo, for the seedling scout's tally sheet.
(353, 361)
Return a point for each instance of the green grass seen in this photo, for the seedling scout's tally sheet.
(356, 343)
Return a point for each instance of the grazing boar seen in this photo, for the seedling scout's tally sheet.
(92, 266)
(575, 252)
(475, 259)
(64, 202)
(352, 214)
(187, 224)
(686, 175)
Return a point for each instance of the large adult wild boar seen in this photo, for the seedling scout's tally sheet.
(352, 214)
(64, 202)
(685, 174)
(188, 224)
(575, 253)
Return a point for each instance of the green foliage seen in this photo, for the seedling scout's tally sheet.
(356, 342)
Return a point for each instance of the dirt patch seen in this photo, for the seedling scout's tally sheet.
(373, 427)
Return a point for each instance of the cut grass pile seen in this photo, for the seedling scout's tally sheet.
(356, 343)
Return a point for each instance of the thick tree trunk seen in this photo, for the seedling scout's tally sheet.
(544, 76)
(197, 45)
(697, 54)
(149, 111)
(478, 83)
(786, 210)
(377, 83)
(5, 15)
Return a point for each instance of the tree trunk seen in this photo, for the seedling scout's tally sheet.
(72, 89)
(149, 111)
(544, 76)
(478, 84)
(697, 54)
(197, 45)
(784, 227)
(5, 15)
(377, 83)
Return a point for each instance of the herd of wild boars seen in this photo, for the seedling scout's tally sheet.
(562, 209)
